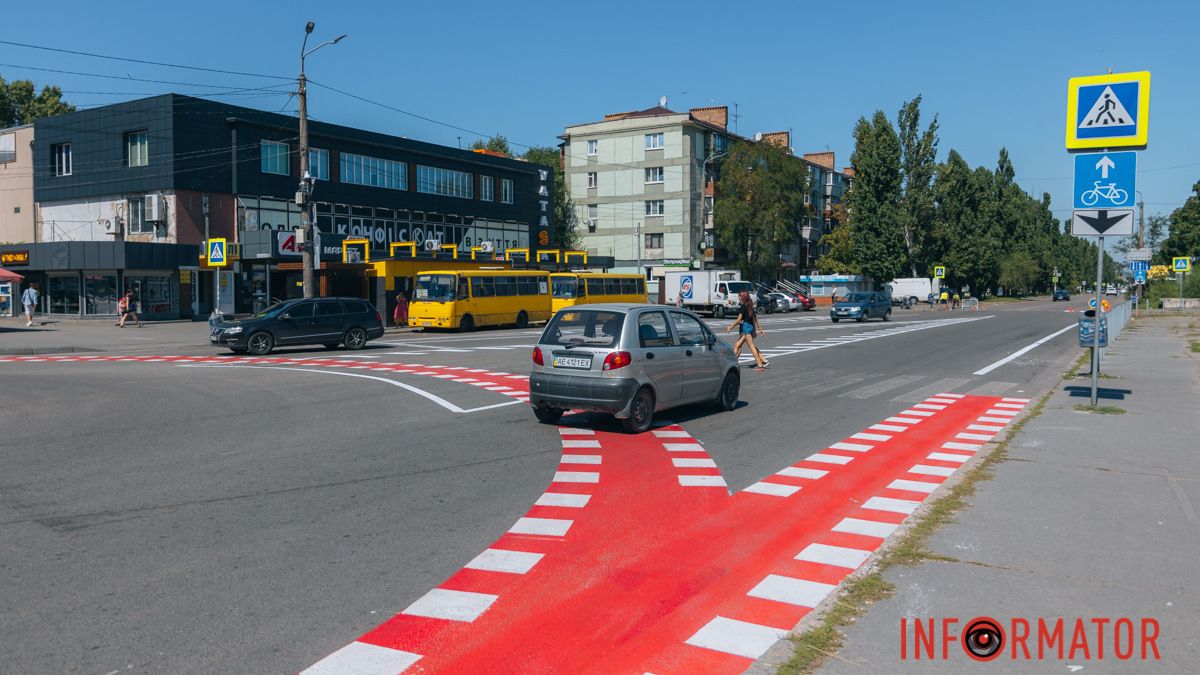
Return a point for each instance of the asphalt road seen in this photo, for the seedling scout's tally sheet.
(168, 517)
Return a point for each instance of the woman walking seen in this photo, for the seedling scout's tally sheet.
(126, 308)
(746, 324)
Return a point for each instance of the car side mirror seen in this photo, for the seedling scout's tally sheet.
(285, 316)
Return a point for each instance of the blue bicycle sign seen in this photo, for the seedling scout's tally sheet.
(1105, 180)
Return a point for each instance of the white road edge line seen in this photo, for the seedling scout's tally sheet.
(987, 369)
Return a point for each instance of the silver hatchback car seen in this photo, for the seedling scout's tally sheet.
(629, 360)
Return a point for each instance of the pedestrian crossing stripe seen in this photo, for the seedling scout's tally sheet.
(1108, 111)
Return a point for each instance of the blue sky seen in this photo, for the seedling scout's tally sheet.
(995, 73)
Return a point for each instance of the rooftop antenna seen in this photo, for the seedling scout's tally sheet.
(735, 117)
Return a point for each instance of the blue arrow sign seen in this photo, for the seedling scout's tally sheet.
(1139, 277)
(1139, 266)
(1105, 180)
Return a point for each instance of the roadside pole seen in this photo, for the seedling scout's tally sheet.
(1096, 328)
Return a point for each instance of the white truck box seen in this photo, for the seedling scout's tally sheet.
(708, 291)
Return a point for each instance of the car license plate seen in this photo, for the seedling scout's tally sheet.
(426, 323)
(212, 338)
(581, 362)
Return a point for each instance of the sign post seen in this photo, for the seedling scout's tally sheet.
(1105, 112)
(215, 256)
(1181, 266)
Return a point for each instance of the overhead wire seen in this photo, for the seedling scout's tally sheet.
(142, 61)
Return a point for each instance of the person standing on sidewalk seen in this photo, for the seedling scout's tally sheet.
(125, 308)
(400, 314)
(30, 299)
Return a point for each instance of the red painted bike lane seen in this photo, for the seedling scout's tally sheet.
(661, 571)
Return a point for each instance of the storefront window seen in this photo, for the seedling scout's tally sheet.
(100, 292)
(152, 293)
(63, 292)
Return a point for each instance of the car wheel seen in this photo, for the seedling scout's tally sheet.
(719, 312)
(547, 415)
(355, 338)
(332, 345)
(862, 317)
(887, 316)
(641, 412)
(727, 398)
(522, 319)
(834, 319)
(467, 324)
(238, 350)
(260, 343)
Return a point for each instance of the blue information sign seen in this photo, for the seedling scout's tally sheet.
(1086, 335)
(1105, 180)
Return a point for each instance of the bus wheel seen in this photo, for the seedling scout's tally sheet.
(467, 324)
(522, 319)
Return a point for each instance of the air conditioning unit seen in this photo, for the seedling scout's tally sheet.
(432, 244)
(156, 209)
(486, 247)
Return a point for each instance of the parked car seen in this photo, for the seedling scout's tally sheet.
(1110, 290)
(1061, 294)
(317, 321)
(805, 303)
(862, 305)
(784, 302)
(631, 361)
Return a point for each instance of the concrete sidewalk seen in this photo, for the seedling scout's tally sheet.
(1091, 515)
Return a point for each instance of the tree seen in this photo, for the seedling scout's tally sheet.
(1018, 273)
(1184, 237)
(497, 143)
(874, 199)
(759, 205)
(918, 152)
(19, 104)
(840, 256)
(566, 221)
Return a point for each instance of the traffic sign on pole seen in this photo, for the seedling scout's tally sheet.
(216, 252)
(1138, 254)
(939, 271)
(1105, 179)
(1108, 111)
(1102, 223)
(1181, 264)
(1142, 266)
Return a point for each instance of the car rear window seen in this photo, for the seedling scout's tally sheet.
(584, 327)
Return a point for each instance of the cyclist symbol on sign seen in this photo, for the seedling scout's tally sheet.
(1114, 195)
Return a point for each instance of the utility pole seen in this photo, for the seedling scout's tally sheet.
(637, 236)
(1141, 288)
(216, 310)
(304, 194)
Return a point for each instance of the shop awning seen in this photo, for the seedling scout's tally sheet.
(6, 275)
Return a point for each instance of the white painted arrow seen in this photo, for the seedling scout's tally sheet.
(1104, 165)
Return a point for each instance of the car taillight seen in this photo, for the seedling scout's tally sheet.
(617, 360)
(378, 316)
(537, 356)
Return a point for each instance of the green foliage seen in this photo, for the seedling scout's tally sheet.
(20, 103)
(497, 143)
(874, 199)
(1018, 273)
(760, 204)
(840, 258)
(918, 150)
(1184, 239)
(566, 221)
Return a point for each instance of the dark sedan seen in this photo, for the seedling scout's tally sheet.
(318, 321)
(1061, 294)
(861, 306)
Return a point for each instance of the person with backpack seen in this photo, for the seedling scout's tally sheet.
(125, 307)
(746, 324)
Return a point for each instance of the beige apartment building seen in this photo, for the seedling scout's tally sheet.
(16, 185)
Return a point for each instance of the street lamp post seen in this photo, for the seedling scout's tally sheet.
(304, 194)
(637, 236)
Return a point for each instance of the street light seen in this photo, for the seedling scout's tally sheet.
(303, 196)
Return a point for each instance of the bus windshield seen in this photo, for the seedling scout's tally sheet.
(434, 288)
(564, 287)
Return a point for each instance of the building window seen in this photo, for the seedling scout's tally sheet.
(373, 172)
(506, 191)
(318, 163)
(591, 179)
(593, 214)
(446, 182)
(593, 148)
(487, 188)
(137, 148)
(136, 220)
(8, 148)
(654, 207)
(274, 157)
(720, 143)
(61, 152)
(654, 174)
(654, 240)
(654, 141)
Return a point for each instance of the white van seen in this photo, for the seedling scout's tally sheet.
(909, 291)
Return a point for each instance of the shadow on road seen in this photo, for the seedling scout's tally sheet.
(1078, 391)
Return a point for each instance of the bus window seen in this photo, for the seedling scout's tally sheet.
(481, 287)
(463, 285)
(505, 286)
(564, 287)
(435, 288)
(527, 285)
(629, 286)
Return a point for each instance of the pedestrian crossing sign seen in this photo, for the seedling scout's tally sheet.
(216, 252)
(939, 272)
(1108, 111)
(1181, 264)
